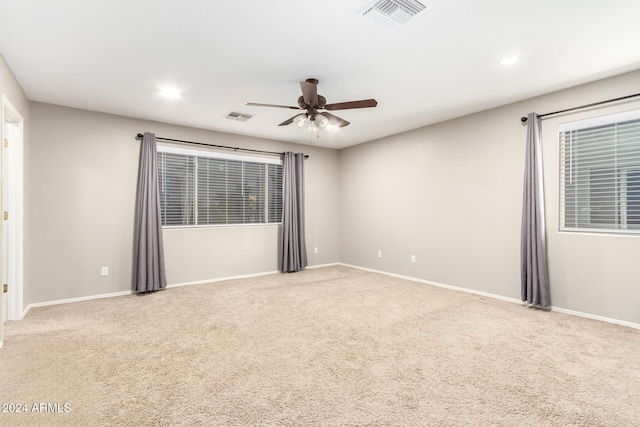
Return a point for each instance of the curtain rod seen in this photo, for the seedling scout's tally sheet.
(524, 119)
(226, 147)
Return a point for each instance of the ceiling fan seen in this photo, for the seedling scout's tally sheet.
(312, 103)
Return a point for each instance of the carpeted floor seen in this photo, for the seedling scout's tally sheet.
(332, 346)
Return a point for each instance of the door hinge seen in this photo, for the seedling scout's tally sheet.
(6, 143)
(5, 288)
(6, 215)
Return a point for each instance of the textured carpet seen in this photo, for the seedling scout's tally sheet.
(332, 346)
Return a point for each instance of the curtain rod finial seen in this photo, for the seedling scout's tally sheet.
(139, 136)
(524, 119)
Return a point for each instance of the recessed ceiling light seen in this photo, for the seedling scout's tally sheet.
(510, 60)
(170, 92)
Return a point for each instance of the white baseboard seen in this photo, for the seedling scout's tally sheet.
(596, 317)
(243, 276)
(499, 297)
(118, 294)
(309, 267)
(221, 279)
(78, 299)
(399, 276)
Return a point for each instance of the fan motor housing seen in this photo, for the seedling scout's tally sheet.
(322, 102)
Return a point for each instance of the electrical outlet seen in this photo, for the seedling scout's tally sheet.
(379, 254)
(104, 271)
(413, 258)
(315, 250)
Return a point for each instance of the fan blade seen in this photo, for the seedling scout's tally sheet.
(289, 121)
(255, 104)
(310, 93)
(335, 120)
(365, 103)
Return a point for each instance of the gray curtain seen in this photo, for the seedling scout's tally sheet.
(149, 253)
(533, 254)
(294, 248)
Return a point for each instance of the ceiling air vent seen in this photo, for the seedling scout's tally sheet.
(241, 117)
(392, 13)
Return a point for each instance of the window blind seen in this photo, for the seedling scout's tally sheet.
(600, 177)
(202, 190)
(176, 182)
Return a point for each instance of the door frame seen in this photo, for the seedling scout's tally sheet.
(14, 177)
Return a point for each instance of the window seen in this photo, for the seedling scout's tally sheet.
(600, 174)
(197, 188)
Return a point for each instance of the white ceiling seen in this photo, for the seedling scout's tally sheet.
(114, 56)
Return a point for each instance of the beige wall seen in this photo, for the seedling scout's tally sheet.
(10, 88)
(83, 173)
(591, 273)
(451, 194)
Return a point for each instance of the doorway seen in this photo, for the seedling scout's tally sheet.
(12, 212)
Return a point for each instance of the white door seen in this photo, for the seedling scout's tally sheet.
(4, 207)
(4, 309)
(11, 196)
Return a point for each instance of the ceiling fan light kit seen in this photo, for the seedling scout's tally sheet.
(312, 103)
(316, 121)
